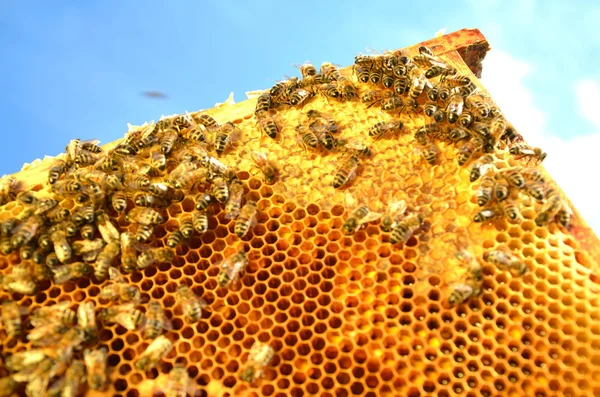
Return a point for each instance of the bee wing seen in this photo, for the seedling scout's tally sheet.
(397, 208)
(259, 158)
(115, 275)
(351, 201)
(90, 142)
(371, 216)
(256, 93)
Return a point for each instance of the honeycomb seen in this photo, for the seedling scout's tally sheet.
(354, 314)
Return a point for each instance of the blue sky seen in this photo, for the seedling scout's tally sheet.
(77, 70)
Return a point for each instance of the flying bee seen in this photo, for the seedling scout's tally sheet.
(74, 378)
(514, 176)
(155, 321)
(383, 127)
(70, 271)
(143, 233)
(118, 201)
(107, 230)
(454, 108)
(480, 167)
(392, 215)
(523, 150)
(510, 210)
(346, 172)
(246, 219)
(501, 189)
(119, 289)
(506, 261)
(355, 146)
(11, 318)
(159, 348)
(469, 148)
(190, 304)
(219, 189)
(144, 216)
(258, 359)
(61, 245)
(155, 256)
(124, 314)
(392, 104)
(58, 313)
(225, 135)
(26, 231)
(95, 363)
(554, 204)
(105, 258)
(486, 214)
(232, 269)
(261, 161)
(465, 119)
(404, 229)
(485, 190)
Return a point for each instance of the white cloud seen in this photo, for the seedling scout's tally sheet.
(569, 161)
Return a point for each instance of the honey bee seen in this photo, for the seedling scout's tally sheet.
(375, 75)
(74, 378)
(355, 146)
(206, 120)
(61, 245)
(188, 180)
(392, 215)
(429, 151)
(486, 214)
(48, 334)
(219, 189)
(246, 219)
(383, 127)
(57, 214)
(523, 150)
(144, 216)
(485, 191)
(506, 261)
(86, 320)
(362, 74)
(19, 281)
(469, 148)
(234, 203)
(467, 89)
(330, 91)
(200, 221)
(457, 80)
(26, 231)
(454, 108)
(465, 119)
(263, 104)
(346, 172)
(482, 107)
(155, 256)
(461, 292)
(307, 137)
(26, 251)
(225, 136)
(159, 348)
(105, 258)
(184, 167)
(439, 70)
(564, 215)
(261, 161)
(134, 182)
(514, 177)
(232, 269)
(405, 228)
(387, 80)
(107, 230)
(392, 104)
(299, 97)
(191, 305)
(85, 158)
(417, 86)
(95, 363)
(374, 96)
(481, 166)
(143, 233)
(58, 169)
(26, 198)
(267, 125)
(8, 386)
(11, 318)
(178, 383)
(533, 175)
(432, 110)
(58, 313)
(165, 191)
(554, 203)
(155, 321)
(501, 189)
(167, 139)
(150, 200)
(119, 201)
(119, 289)
(357, 218)
(259, 358)
(174, 238)
(510, 210)
(67, 186)
(124, 314)
(52, 260)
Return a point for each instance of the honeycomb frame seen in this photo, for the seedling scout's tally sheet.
(354, 315)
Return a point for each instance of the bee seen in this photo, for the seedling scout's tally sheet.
(523, 150)
(85, 158)
(91, 146)
(119, 201)
(330, 72)
(346, 172)
(258, 359)
(188, 180)
(26, 251)
(61, 245)
(26, 231)
(155, 256)
(433, 92)
(299, 97)
(469, 148)
(232, 206)
(359, 216)
(401, 85)
(186, 226)
(19, 281)
(219, 189)
(52, 260)
(150, 200)
(8, 386)
(564, 215)
(533, 175)
(155, 321)
(167, 140)
(374, 96)
(467, 89)
(186, 166)
(405, 228)
(57, 214)
(306, 136)
(105, 258)
(143, 233)
(95, 363)
(391, 104)
(375, 75)
(86, 320)
(134, 182)
(510, 210)
(329, 90)
(387, 80)
(465, 119)
(200, 221)
(66, 186)
(191, 305)
(392, 214)
(480, 167)
(501, 189)
(355, 146)
(158, 349)
(383, 127)
(232, 268)
(83, 215)
(224, 136)
(432, 110)
(11, 318)
(281, 90)
(485, 191)
(124, 314)
(167, 192)
(307, 70)
(58, 169)
(107, 230)
(506, 261)
(486, 214)
(267, 125)
(58, 313)
(439, 70)
(174, 238)
(128, 252)
(261, 161)
(554, 203)
(458, 134)
(203, 201)
(144, 216)
(362, 74)
(119, 289)
(246, 219)
(206, 120)
(178, 383)
(454, 108)
(5, 247)
(417, 86)
(482, 107)
(461, 292)
(74, 377)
